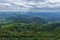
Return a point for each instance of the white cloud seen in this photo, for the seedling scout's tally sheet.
(24, 5)
(5, 4)
(12, 7)
(53, 1)
(32, 3)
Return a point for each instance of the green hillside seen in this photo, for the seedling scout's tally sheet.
(31, 31)
(16, 26)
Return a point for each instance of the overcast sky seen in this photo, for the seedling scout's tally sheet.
(30, 5)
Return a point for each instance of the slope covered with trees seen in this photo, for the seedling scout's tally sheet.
(15, 26)
(32, 31)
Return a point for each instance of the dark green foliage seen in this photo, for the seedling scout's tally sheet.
(32, 31)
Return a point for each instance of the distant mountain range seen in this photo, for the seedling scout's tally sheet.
(6, 17)
(48, 16)
(39, 17)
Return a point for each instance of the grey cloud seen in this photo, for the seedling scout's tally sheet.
(28, 5)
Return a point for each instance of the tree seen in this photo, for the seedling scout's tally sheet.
(35, 26)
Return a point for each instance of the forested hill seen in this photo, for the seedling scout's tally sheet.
(6, 17)
(25, 31)
(29, 26)
(28, 17)
(48, 16)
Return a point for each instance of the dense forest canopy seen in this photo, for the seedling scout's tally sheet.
(16, 26)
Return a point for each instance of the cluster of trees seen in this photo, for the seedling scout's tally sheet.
(31, 31)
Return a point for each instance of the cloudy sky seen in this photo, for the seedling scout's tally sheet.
(30, 5)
